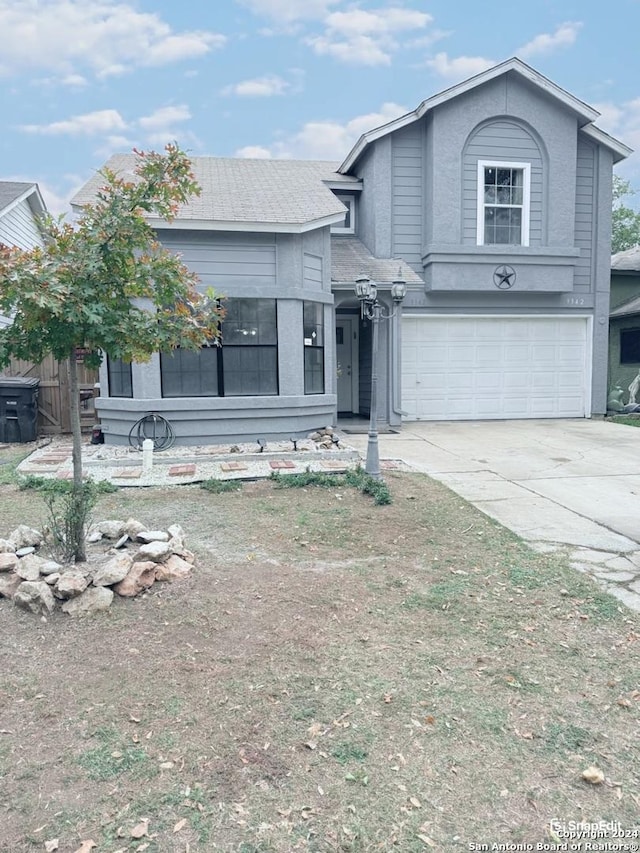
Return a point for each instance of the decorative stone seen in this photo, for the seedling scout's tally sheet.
(187, 555)
(28, 568)
(49, 567)
(93, 536)
(8, 562)
(9, 584)
(122, 541)
(152, 536)
(25, 537)
(35, 597)
(52, 579)
(156, 551)
(140, 577)
(23, 552)
(132, 527)
(110, 529)
(71, 584)
(173, 569)
(114, 571)
(176, 531)
(6, 547)
(176, 545)
(314, 436)
(92, 600)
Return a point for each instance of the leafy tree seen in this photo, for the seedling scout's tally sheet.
(105, 285)
(625, 222)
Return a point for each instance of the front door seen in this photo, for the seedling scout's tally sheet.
(347, 366)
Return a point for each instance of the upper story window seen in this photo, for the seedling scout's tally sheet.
(349, 225)
(504, 191)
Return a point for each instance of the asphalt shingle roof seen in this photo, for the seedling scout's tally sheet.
(627, 261)
(350, 258)
(11, 190)
(283, 192)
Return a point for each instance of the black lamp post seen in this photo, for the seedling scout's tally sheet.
(371, 309)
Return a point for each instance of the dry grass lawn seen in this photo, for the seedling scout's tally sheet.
(336, 676)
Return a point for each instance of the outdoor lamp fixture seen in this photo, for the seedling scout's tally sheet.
(371, 309)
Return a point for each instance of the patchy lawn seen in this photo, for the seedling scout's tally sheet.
(336, 676)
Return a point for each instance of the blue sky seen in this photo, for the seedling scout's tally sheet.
(82, 79)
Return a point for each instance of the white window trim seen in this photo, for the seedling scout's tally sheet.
(349, 202)
(526, 197)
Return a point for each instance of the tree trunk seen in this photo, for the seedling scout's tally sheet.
(77, 508)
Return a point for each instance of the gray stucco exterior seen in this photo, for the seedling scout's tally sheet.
(416, 183)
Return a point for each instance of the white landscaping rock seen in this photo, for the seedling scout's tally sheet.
(28, 568)
(176, 531)
(92, 600)
(25, 537)
(114, 571)
(9, 584)
(152, 536)
(132, 527)
(156, 551)
(36, 597)
(50, 567)
(110, 529)
(8, 562)
(71, 584)
(6, 546)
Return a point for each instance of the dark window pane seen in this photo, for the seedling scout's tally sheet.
(249, 322)
(119, 377)
(630, 346)
(313, 370)
(250, 371)
(187, 373)
(313, 319)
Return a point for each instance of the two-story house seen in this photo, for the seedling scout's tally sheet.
(491, 200)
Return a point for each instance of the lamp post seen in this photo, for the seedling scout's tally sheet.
(371, 309)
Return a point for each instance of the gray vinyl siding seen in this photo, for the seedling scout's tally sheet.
(509, 142)
(18, 227)
(312, 271)
(224, 261)
(582, 281)
(407, 195)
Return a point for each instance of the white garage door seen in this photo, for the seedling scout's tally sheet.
(467, 368)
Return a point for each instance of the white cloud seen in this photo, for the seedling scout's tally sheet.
(104, 37)
(360, 50)
(623, 122)
(379, 22)
(165, 117)
(287, 11)
(162, 125)
(88, 124)
(254, 152)
(460, 67)
(325, 140)
(564, 36)
(366, 37)
(259, 87)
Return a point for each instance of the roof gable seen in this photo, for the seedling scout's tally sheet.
(14, 192)
(584, 113)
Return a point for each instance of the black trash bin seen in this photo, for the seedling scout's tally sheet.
(18, 409)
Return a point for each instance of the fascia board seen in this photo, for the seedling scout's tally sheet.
(620, 150)
(575, 104)
(260, 227)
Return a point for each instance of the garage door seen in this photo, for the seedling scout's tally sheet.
(467, 368)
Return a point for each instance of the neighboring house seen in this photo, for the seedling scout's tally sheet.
(20, 207)
(624, 321)
(492, 200)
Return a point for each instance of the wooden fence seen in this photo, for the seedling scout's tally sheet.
(53, 395)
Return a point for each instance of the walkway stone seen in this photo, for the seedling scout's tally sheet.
(182, 470)
(278, 464)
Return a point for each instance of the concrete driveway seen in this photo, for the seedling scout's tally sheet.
(572, 485)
